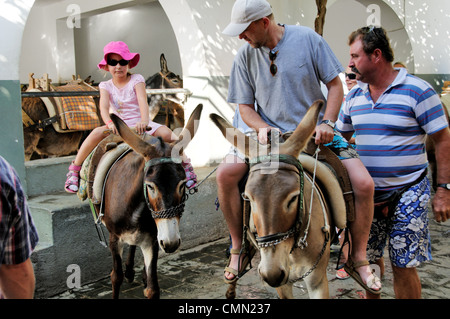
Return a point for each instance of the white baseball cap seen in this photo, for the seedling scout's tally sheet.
(244, 13)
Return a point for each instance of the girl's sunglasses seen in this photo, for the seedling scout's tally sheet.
(113, 62)
(351, 76)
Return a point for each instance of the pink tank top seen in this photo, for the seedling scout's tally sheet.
(124, 103)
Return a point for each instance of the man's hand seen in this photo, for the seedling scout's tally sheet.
(263, 134)
(441, 205)
(324, 134)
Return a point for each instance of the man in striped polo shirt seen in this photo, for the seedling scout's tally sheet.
(391, 113)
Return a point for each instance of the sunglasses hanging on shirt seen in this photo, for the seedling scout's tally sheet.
(273, 66)
(113, 62)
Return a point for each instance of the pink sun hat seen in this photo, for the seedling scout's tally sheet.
(120, 48)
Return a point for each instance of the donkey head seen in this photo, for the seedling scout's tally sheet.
(273, 190)
(164, 79)
(164, 178)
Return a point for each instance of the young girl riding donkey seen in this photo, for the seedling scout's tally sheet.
(125, 96)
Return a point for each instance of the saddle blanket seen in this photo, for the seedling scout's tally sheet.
(80, 112)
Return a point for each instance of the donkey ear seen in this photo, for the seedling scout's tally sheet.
(297, 142)
(242, 142)
(131, 138)
(163, 64)
(187, 134)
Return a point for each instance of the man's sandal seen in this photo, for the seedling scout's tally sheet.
(246, 260)
(350, 267)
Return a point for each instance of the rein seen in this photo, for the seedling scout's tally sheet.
(175, 211)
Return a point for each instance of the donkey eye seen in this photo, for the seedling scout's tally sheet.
(292, 201)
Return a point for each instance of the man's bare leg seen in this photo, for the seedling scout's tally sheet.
(363, 189)
(228, 175)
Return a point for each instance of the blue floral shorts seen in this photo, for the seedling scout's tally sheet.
(407, 230)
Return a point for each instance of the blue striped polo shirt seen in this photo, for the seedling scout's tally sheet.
(391, 133)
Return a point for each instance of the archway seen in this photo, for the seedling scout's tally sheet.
(68, 41)
(61, 39)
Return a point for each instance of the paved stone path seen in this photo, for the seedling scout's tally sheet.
(197, 274)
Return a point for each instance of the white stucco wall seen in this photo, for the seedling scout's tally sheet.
(13, 17)
(197, 26)
(52, 43)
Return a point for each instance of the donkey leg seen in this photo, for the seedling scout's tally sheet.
(116, 248)
(285, 291)
(129, 265)
(317, 285)
(150, 253)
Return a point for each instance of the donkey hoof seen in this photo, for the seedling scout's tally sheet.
(129, 275)
(151, 294)
(231, 291)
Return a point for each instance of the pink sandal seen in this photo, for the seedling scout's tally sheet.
(73, 178)
(190, 175)
(342, 274)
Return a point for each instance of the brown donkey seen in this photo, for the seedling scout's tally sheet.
(293, 230)
(144, 198)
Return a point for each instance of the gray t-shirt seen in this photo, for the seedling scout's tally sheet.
(304, 59)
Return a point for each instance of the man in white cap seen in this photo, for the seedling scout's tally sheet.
(279, 70)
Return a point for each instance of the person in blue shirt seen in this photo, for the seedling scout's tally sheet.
(275, 78)
(392, 112)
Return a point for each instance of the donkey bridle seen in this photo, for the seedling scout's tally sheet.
(175, 211)
(275, 239)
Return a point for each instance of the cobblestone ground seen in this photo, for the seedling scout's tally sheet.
(197, 274)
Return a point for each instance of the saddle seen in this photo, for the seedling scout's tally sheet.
(328, 187)
(97, 165)
(332, 164)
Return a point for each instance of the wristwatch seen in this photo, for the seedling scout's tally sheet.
(446, 186)
(329, 123)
